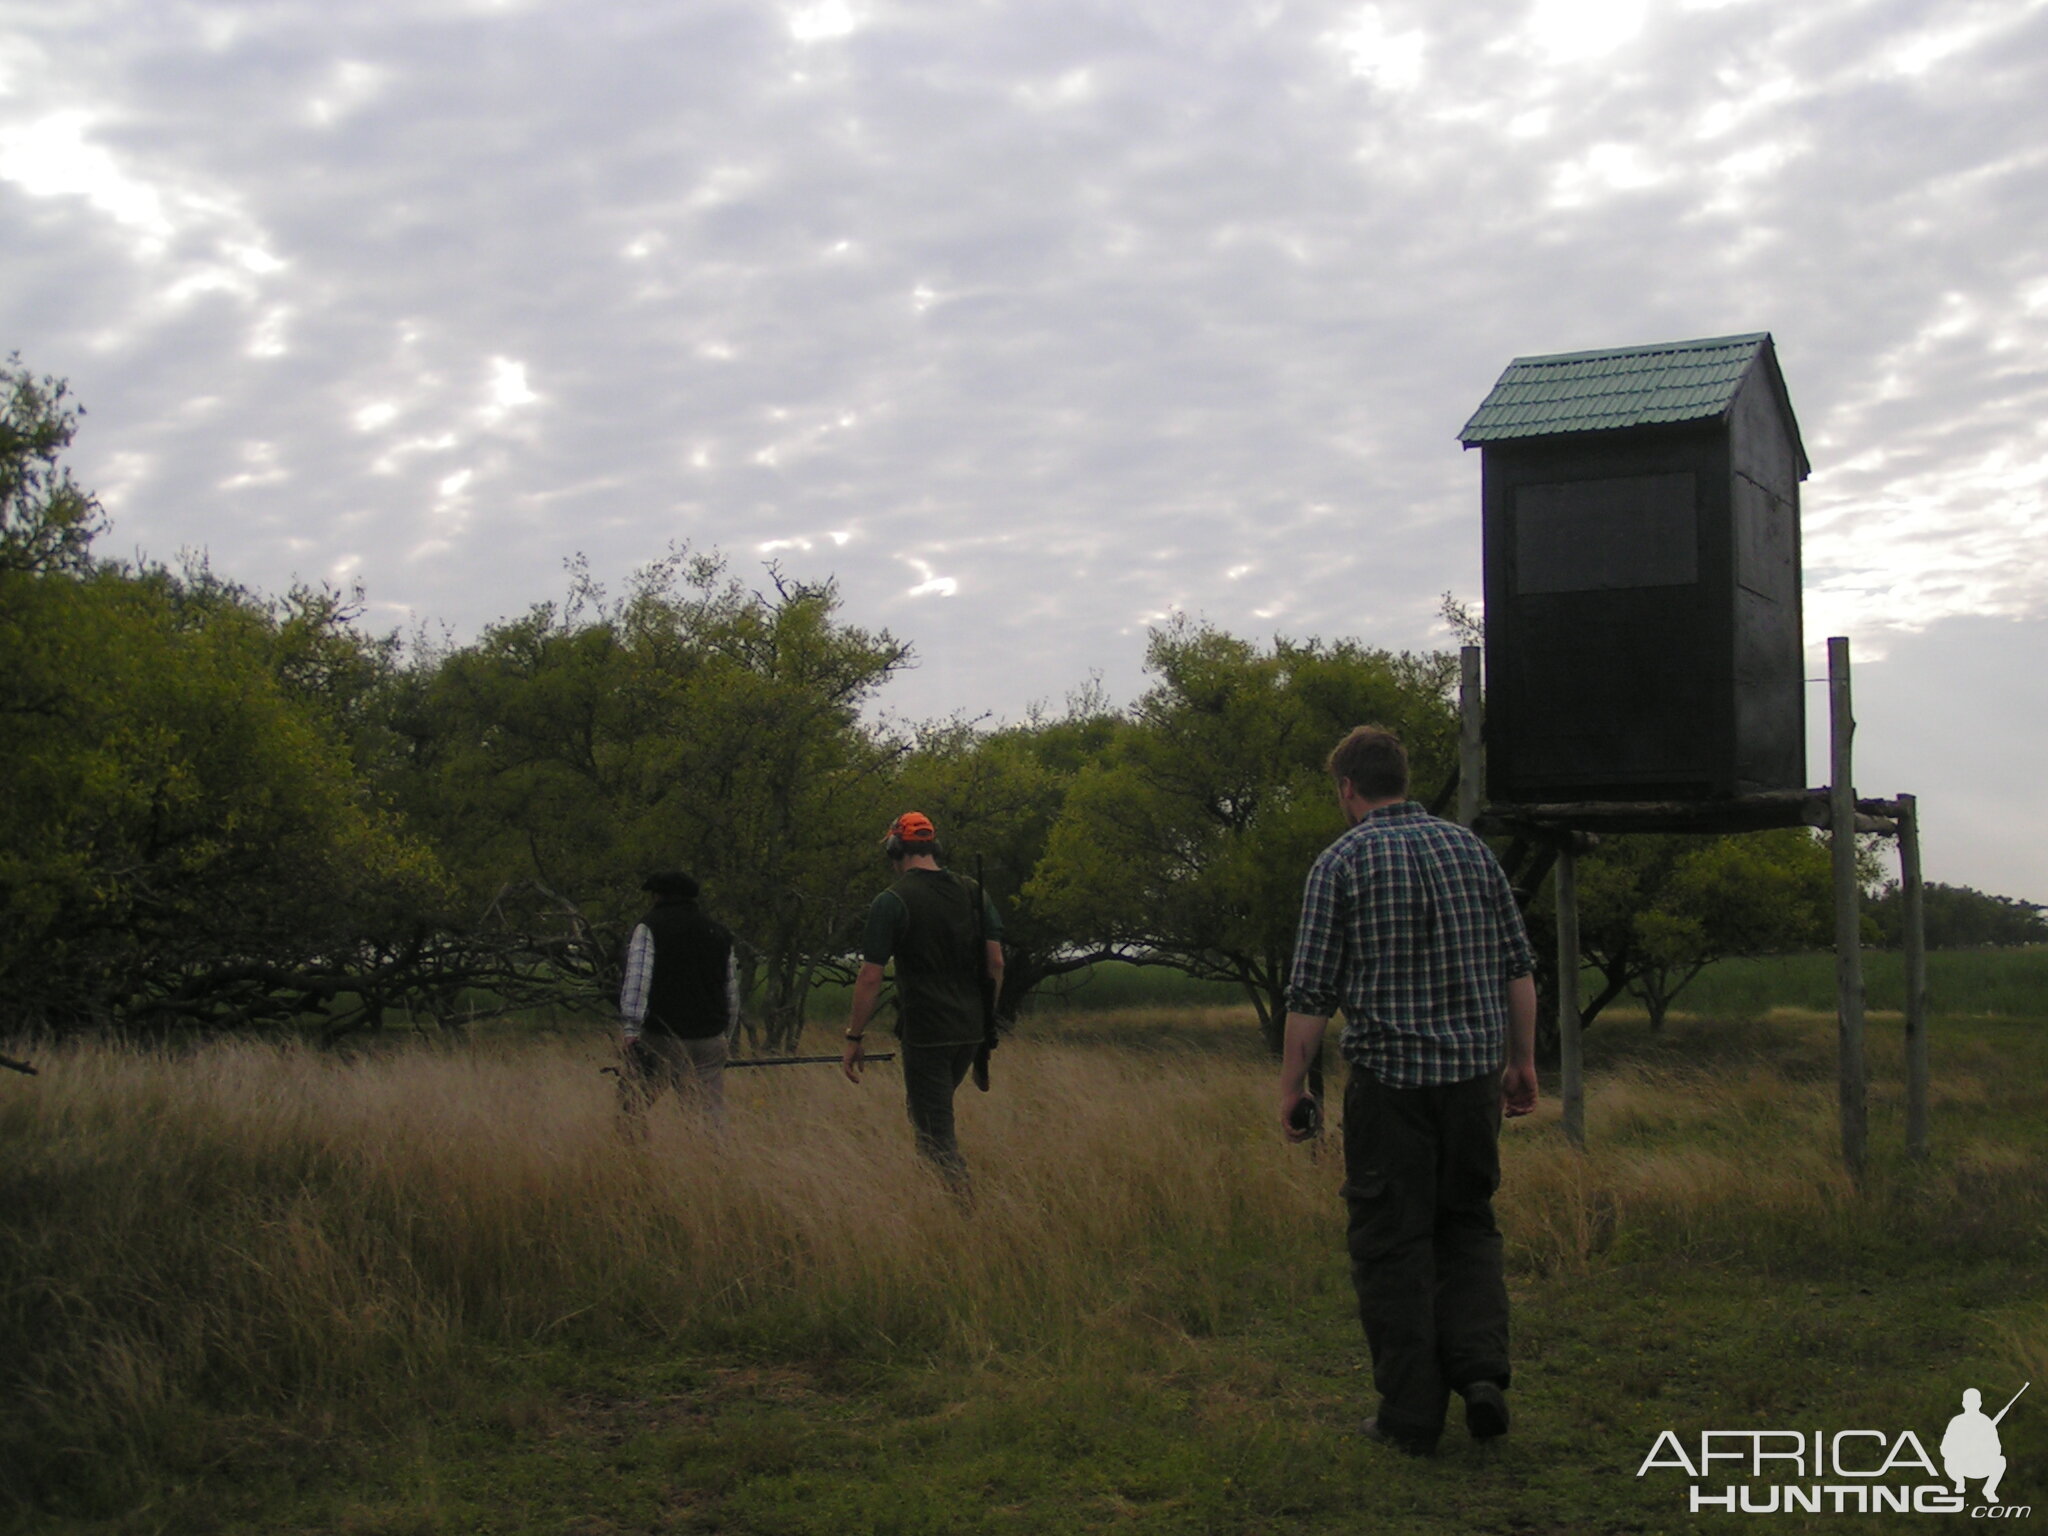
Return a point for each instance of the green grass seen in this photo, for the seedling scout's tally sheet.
(428, 1291)
(1114, 986)
(2008, 983)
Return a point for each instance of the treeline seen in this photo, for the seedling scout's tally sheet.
(1957, 917)
(226, 810)
(229, 810)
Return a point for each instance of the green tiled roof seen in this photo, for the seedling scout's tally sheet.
(1672, 381)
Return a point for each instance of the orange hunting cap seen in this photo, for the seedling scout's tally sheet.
(913, 827)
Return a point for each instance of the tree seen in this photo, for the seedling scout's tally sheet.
(46, 522)
(690, 723)
(1959, 917)
(185, 839)
(1188, 841)
(1655, 909)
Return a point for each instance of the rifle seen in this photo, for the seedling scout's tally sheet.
(982, 987)
(2008, 1407)
(639, 1063)
(804, 1061)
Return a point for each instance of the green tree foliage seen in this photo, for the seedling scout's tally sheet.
(185, 838)
(692, 723)
(1655, 909)
(1187, 840)
(46, 522)
(1958, 917)
(186, 835)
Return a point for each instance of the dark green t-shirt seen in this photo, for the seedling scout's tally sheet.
(925, 923)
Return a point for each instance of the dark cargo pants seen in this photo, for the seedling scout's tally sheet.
(931, 1074)
(1420, 1169)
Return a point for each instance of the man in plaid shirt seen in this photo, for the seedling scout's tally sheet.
(1410, 927)
(679, 1003)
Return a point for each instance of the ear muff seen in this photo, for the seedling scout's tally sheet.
(910, 833)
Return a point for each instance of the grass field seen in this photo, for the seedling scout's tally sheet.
(429, 1289)
(1996, 983)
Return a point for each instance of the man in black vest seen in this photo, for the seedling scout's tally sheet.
(946, 940)
(679, 1002)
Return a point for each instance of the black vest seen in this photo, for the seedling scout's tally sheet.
(686, 996)
(940, 962)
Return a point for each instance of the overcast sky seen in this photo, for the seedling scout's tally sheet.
(1033, 321)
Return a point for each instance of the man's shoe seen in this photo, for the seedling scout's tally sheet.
(1407, 1445)
(1486, 1411)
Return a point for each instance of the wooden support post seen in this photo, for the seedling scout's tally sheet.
(1914, 913)
(1571, 1046)
(1848, 913)
(1471, 752)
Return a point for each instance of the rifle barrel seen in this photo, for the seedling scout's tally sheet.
(804, 1061)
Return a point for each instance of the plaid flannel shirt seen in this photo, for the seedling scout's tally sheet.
(1410, 927)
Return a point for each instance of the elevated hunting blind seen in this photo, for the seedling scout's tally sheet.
(1641, 536)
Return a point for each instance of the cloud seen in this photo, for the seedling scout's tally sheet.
(825, 20)
(54, 157)
(1104, 311)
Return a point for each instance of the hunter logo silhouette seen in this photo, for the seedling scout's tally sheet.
(1861, 1471)
(1970, 1448)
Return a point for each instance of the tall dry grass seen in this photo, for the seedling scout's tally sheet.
(276, 1228)
(1722, 1142)
(283, 1234)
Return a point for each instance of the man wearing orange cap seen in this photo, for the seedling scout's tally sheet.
(946, 939)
